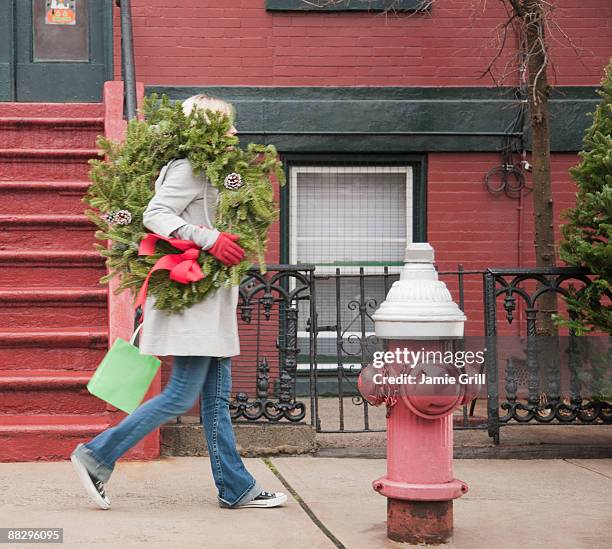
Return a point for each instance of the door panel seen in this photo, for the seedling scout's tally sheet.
(60, 35)
(6, 50)
(56, 58)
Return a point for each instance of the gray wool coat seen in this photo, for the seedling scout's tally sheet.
(208, 328)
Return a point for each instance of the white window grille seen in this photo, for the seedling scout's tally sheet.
(348, 217)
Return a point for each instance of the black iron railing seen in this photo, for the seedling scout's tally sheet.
(275, 298)
(128, 69)
(302, 350)
(552, 371)
(264, 374)
(346, 342)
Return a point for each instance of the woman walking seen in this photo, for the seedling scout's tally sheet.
(201, 341)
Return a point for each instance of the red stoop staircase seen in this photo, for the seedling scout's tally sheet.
(54, 323)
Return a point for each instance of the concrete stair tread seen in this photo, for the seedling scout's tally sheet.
(51, 331)
(38, 196)
(55, 110)
(54, 121)
(49, 267)
(48, 392)
(31, 219)
(51, 256)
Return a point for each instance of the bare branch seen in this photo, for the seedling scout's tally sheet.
(517, 7)
(503, 28)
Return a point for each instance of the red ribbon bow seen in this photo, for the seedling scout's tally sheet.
(184, 268)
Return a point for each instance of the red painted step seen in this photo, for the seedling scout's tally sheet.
(71, 349)
(52, 308)
(46, 231)
(45, 164)
(50, 133)
(54, 110)
(32, 197)
(51, 268)
(47, 392)
(46, 437)
(54, 313)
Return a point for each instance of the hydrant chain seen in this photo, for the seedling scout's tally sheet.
(390, 401)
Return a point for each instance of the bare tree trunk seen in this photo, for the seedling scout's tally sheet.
(533, 17)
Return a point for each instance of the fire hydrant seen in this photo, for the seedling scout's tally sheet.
(420, 315)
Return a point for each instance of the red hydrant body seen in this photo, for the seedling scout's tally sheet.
(419, 315)
(419, 484)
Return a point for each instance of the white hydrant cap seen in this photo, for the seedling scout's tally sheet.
(418, 305)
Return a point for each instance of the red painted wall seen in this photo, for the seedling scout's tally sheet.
(236, 42)
(469, 225)
(225, 43)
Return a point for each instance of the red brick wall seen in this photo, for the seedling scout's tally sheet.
(195, 42)
(236, 42)
(469, 225)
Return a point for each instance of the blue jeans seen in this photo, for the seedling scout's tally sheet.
(208, 378)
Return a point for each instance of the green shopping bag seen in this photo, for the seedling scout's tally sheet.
(124, 375)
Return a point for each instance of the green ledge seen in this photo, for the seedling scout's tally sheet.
(392, 119)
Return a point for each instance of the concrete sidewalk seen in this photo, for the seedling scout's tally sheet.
(172, 503)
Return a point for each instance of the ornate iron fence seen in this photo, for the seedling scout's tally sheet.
(302, 350)
(551, 366)
(345, 302)
(264, 374)
(277, 297)
(345, 343)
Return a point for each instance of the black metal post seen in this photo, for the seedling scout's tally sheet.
(491, 356)
(127, 56)
(339, 345)
(460, 275)
(362, 341)
(13, 53)
(314, 330)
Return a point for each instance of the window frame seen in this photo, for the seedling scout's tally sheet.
(349, 5)
(294, 171)
(418, 163)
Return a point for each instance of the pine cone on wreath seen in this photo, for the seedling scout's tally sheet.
(109, 217)
(233, 181)
(123, 217)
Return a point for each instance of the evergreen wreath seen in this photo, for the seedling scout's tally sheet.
(123, 185)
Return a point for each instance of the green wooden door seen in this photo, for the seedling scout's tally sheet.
(55, 50)
(6, 50)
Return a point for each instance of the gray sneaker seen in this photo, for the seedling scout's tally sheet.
(265, 499)
(93, 486)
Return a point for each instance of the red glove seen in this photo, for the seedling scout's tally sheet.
(226, 250)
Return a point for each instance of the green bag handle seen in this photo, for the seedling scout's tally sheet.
(135, 334)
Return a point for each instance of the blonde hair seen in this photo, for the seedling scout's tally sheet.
(202, 101)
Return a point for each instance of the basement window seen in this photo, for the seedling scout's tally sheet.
(350, 216)
(348, 5)
(357, 219)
